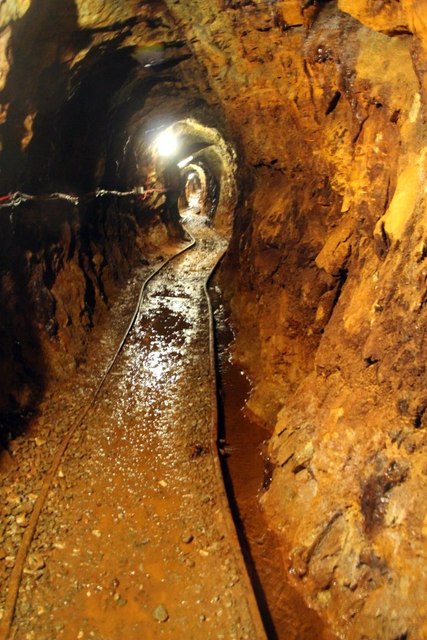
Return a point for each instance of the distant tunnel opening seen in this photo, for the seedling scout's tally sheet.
(166, 156)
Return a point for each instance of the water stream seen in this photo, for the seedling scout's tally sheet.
(242, 443)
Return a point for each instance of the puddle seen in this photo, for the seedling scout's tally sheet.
(166, 323)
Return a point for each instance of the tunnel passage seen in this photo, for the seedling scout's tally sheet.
(323, 103)
(137, 534)
(94, 192)
(195, 186)
(189, 146)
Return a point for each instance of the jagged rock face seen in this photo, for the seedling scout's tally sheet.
(329, 297)
(326, 273)
(328, 260)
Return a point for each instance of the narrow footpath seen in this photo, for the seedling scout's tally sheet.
(135, 540)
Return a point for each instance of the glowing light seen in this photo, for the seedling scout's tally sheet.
(155, 365)
(166, 143)
(181, 164)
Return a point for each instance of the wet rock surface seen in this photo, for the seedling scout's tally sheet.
(132, 540)
(327, 295)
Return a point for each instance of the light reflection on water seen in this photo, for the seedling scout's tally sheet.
(146, 407)
(155, 365)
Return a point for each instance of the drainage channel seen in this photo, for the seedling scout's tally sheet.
(242, 445)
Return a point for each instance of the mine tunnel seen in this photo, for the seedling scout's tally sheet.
(212, 315)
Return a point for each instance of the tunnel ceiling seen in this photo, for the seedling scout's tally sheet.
(93, 67)
(323, 105)
(82, 80)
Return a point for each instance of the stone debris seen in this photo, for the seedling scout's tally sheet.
(187, 538)
(160, 613)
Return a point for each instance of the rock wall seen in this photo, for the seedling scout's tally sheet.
(61, 266)
(326, 281)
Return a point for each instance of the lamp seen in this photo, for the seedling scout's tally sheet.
(166, 143)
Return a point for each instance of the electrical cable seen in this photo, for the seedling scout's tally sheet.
(17, 198)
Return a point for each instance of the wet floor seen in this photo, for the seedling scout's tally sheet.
(134, 540)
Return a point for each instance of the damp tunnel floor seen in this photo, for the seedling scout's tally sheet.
(133, 539)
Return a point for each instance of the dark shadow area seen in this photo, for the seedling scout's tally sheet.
(41, 42)
(25, 306)
(87, 122)
(37, 83)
